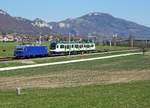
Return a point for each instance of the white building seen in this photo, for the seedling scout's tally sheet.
(8, 38)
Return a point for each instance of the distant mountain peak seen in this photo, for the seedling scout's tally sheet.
(101, 25)
(3, 12)
(38, 20)
(94, 14)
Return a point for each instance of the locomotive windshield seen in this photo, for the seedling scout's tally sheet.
(53, 46)
(19, 48)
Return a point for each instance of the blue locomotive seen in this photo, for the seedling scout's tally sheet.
(30, 51)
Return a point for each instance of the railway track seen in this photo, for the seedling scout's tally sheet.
(11, 59)
(7, 59)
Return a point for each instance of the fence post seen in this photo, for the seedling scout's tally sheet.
(18, 91)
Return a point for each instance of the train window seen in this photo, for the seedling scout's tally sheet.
(67, 46)
(81, 46)
(92, 45)
(76, 46)
(72, 46)
(61, 46)
(53, 46)
(57, 46)
(88, 46)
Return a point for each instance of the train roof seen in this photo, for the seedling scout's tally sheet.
(72, 42)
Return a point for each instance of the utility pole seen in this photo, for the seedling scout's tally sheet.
(110, 43)
(69, 43)
(40, 39)
(22, 41)
(131, 40)
(146, 44)
(115, 39)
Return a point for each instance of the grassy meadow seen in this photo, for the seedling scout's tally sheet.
(108, 83)
(113, 48)
(7, 49)
(124, 95)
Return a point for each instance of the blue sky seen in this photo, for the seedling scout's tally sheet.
(56, 10)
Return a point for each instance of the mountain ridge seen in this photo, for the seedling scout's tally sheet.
(12, 24)
(101, 24)
(92, 24)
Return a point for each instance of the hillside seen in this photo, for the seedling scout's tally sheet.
(101, 25)
(92, 24)
(9, 24)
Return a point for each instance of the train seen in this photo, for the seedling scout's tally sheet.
(30, 51)
(56, 48)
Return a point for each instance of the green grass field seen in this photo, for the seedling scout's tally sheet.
(9, 48)
(121, 82)
(113, 48)
(125, 95)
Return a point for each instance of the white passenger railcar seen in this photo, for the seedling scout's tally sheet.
(71, 47)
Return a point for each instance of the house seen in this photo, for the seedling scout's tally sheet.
(1, 38)
(77, 39)
(9, 38)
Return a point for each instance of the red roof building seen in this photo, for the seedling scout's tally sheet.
(77, 38)
(1, 37)
(10, 36)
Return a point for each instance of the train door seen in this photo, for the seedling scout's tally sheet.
(65, 48)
